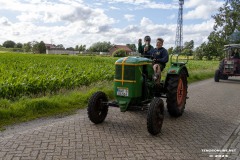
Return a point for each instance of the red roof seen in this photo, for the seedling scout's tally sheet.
(49, 46)
(116, 47)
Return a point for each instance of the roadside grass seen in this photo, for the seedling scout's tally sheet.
(67, 103)
(201, 70)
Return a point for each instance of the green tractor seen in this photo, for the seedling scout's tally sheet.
(134, 88)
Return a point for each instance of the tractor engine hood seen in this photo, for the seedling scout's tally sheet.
(133, 60)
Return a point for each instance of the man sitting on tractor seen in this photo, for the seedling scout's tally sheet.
(160, 58)
(146, 48)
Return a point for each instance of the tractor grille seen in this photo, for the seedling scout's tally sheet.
(129, 72)
(229, 66)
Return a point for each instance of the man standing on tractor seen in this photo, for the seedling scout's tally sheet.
(160, 58)
(145, 49)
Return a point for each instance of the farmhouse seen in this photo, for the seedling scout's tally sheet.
(116, 47)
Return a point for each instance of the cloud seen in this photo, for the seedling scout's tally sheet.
(114, 8)
(29, 17)
(103, 28)
(98, 4)
(131, 29)
(16, 33)
(171, 16)
(141, 4)
(145, 21)
(198, 32)
(4, 21)
(72, 22)
(202, 9)
(73, 33)
(78, 14)
(129, 17)
(51, 12)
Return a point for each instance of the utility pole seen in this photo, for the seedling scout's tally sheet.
(179, 30)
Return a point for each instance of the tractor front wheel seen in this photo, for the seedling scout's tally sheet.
(217, 75)
(97, 107)
(177, 94)
(155, 116)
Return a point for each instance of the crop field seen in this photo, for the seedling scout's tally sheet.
(28, 74)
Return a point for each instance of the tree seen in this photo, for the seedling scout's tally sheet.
(199, 53)
(9, 44)
(100, 47)
(76, 48)
(227, 21)
(42, 47)
(60, 46)
(216, 44)
(132, 47)
(176, 50)
(170, 50)
(226, 30)
(235, 37)
(189, 45)
(188, 52)
(119, 53)
(35, 47)
(38, 47)
(27, 47)
(206, 50)
(82, 48)
(188, 48)
(70, 49)
(19, 45)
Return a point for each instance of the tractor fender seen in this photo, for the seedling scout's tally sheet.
(175, 70)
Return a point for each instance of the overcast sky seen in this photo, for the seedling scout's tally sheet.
(74, 22)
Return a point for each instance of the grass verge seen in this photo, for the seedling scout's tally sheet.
(26, 109)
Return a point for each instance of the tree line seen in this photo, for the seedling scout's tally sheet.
(40, 47)
(34, 46)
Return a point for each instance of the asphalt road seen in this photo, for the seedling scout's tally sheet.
(208, 129)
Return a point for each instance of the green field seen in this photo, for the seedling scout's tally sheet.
(33, 86)
(38, 75)
(28, 74)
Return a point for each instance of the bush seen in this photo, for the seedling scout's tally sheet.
(119, 53)
(11, 49)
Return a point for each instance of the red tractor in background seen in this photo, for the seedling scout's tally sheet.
(230, 65)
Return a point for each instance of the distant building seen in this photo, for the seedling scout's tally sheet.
(52, 49)
(49, 46)
(62, 51)
(116, 47)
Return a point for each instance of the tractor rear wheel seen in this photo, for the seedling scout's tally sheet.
(177, 93)
(155, 116)
(217, 75)
(97, 109)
